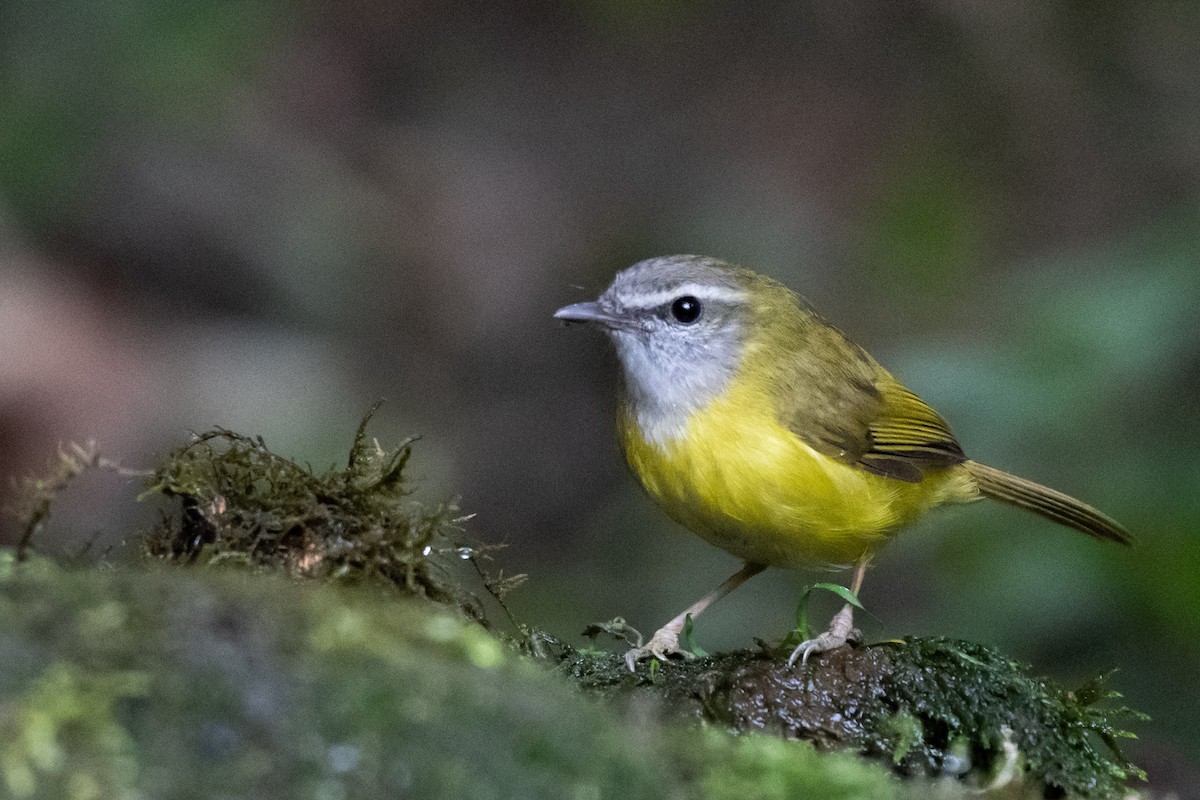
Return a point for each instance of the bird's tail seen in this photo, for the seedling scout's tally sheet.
(1051, 504)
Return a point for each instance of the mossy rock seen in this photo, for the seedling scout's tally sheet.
(929, 707)
(169, 683)
(305, 634)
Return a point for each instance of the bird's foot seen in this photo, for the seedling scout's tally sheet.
(662, 645)
(841, 630)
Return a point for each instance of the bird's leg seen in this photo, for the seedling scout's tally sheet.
(665, 641)
(841, 627)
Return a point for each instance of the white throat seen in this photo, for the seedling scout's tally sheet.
(664, 386)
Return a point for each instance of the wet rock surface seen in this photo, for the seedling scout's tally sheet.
(926, 706)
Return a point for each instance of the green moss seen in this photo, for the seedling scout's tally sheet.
(768, 768)
(927, 707)
(174, 684)
(901, 732)
(169, 683)
(242, 503)
(961, 691)
(61, 736)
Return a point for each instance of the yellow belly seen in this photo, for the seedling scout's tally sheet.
(746, 484)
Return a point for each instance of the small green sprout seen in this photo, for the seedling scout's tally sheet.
(689, 639)
(802, 631)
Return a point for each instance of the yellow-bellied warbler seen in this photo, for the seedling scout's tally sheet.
(758, 426)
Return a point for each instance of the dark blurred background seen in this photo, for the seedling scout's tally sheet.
(265, 215)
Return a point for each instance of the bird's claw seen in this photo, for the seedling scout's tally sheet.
(829, 640)
(841, 630)
(662, 645)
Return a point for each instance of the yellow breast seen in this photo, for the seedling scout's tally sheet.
(739, 479)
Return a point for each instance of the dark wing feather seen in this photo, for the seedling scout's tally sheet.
(908, 437)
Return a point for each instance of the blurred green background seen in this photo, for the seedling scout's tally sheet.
(265, 215)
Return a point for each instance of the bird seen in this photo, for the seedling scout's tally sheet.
(760, 427)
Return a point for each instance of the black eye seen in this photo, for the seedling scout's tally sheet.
(686, 309)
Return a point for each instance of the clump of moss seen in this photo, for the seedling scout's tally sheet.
(925, 706)
(243, 503)
(978, 707)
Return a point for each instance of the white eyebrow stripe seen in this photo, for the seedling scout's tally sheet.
(699, 291)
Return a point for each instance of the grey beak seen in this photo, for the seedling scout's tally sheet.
(590, 311)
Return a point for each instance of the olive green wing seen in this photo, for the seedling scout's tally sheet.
(850, 408)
